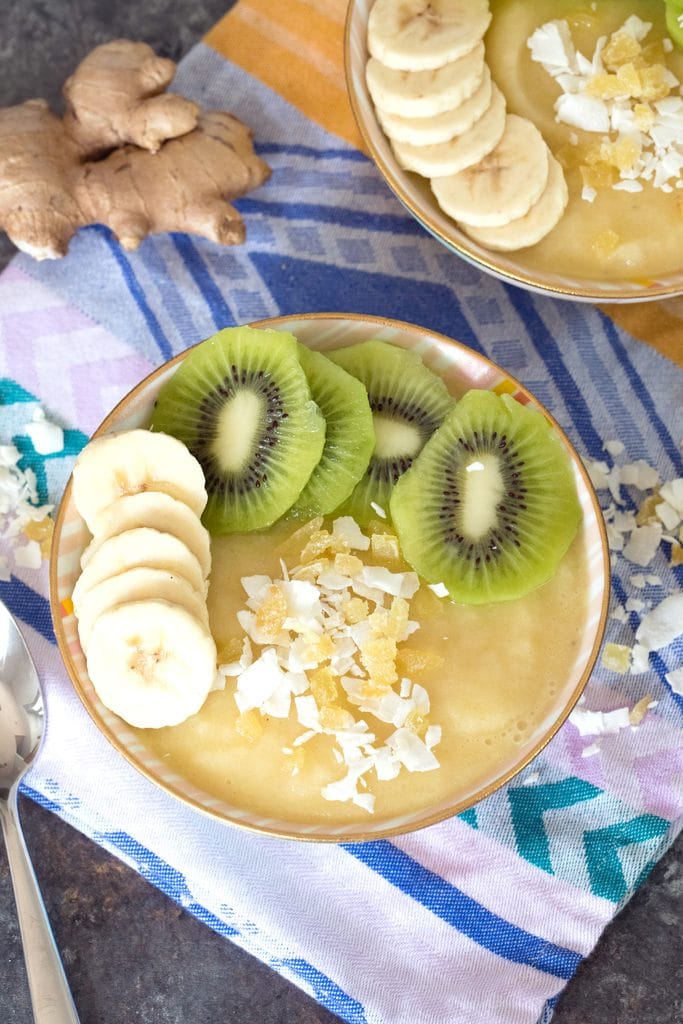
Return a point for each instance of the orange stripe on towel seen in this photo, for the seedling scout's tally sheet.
(296, 49)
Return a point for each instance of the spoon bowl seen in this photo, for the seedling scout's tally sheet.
(22, 726)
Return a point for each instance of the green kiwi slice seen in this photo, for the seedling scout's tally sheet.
(241, 403)
(489, 507)
(349, 437)
(408, 403)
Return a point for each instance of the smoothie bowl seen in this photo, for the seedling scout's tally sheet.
(396, 640)
(543, 142)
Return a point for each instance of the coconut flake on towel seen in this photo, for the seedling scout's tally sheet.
(324, 640)
(24, 523)
(46, 437)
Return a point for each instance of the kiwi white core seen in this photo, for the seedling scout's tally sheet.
(483, 489)
(236, 427)
(394, 439)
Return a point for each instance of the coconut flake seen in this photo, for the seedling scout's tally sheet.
(29, 556)
(440, 589)
(643, 544)
(411, 751)
(347, 529)
(663, 624)
(46, 437)
(675, 680)
(599, 723)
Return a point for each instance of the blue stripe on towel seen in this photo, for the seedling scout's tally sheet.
(27, 605)
(135, 290)
(296, 149)
(458, 909)
(641, 391)
(300, 284)
(364, 220)
(207, 287)
(548, 349)
(171, 882)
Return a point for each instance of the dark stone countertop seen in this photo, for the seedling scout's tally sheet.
(133, 956)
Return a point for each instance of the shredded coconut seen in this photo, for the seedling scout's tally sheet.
(635, 106)
(323, 644)
(22, 518)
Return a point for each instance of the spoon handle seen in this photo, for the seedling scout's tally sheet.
(50, 993)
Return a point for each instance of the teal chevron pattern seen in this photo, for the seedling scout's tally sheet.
(51, 471)
(605, 874)
(602, 859)
(528, 805)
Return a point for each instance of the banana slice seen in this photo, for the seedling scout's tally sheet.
(534, 225)
(425, 93)
(151, 663)
(416, 35)
(454, 156)
(139, 584)
(141, 546)
(158, 510)
(504, 185)
(428, 131)
(133, 461)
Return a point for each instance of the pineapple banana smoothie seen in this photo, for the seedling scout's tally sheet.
(612, 233)
(322, 587)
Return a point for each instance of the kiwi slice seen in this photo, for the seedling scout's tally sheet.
(408, 403)
(489, 507)
(349, 437)
(241, 403)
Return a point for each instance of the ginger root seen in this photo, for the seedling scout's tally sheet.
(124, 155)
(133, 80)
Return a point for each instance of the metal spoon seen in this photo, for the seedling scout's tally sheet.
(22, 719)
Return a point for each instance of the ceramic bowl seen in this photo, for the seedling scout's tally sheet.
(461, 368)
(415, 194)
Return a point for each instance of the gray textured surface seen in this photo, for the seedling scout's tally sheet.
(132, 956)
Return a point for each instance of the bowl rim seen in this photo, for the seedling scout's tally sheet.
(464, 247)
(281, 322)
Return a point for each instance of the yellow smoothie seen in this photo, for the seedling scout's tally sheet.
(500, 669)
(620, 235)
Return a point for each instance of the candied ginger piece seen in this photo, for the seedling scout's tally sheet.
(384, 546)
(310, 572)
(296, 541)
(616, 657)
(229, 651)
(597, 175)
(676, 554)
(271, 614)
(624, 153)
(249, 725)
(606, 243)
(655, 83)
(606, 86)
(621, 48)
(41, 530)
(333, 718)
(647, 513)
(323, 685)
(354, 610)
(639, 710)
(378, 657)
(398, 618)
(318, 542)
(348, 565)
(412, 660)
(644, 116)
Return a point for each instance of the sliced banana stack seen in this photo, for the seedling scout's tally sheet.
(140, 600)
(446, 120)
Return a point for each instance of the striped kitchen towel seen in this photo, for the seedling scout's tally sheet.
(482, 918)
